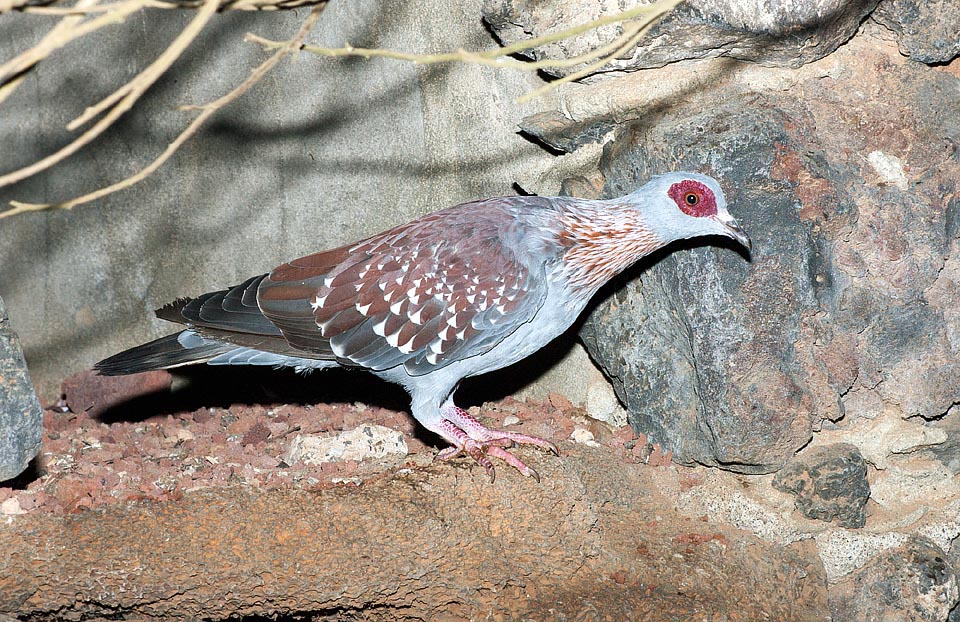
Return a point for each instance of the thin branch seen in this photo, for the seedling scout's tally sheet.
(113, 106)
(12, 71)
(132, 93)
(79, 10)
(23, 6)
(500, 57)
(206, 111)
(632, 37)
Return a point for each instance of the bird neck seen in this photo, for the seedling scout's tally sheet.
(601, 239)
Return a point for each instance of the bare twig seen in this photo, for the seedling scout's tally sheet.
(87, 16)
(206, 111)
(622, 44)
(500, 57)
(130, 94)
(24, 6)
(69, 29)
(80, 10)
(13, 71)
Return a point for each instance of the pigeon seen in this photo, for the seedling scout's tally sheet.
(459, 292)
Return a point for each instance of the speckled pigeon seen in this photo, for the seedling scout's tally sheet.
(457, 293)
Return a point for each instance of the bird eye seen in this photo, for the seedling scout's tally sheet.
(692, 198)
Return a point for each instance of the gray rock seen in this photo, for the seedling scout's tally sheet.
(771, 33)
(852, 285)
(701, 346)
(927, 32)
(21, 417)
(913, 582)
(953, 556)
(830, 482)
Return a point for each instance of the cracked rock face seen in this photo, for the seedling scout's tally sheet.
(772, 33)
(21, 417)
(847, 307)
(926, 31)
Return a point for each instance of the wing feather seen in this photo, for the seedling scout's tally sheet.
(440, 289)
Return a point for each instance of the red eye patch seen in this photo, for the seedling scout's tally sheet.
(693, 198)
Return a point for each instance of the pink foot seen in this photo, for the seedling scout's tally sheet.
(479, 442)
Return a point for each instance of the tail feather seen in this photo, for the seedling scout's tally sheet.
(163, 353)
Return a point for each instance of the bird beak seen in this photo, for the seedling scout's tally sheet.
(734, 231)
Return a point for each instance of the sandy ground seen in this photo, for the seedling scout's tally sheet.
(111, 440)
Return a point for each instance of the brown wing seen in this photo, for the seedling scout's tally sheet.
(231, 316)
(422, 295)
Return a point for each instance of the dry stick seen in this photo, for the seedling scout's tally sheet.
(493, 57)
(56, 38)
(102, 8)
(134, 90)
(68, 30)
(606, 54)
(227, 5)
(632, 39)
(207, 110)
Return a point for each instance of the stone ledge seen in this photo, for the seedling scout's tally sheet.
(440, 542)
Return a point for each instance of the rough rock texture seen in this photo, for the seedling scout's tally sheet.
(21, 418)
(844, 310)
(830, 482)
(771, 33)
(912, 583)
(392, 540)
(88, 392)
(927, 32)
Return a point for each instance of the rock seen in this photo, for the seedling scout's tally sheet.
(602, 404)
(948, 452)
(701, 346)
(953, 555)
(21, 417)
(851, 287)
(830, 482)
(913, 582)
(926, 31)
(887, 438)
(584, 437)
(779, 34)
(568, 549)
(88, 392)
(367, 441)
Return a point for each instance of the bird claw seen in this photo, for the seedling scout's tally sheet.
(479, 442)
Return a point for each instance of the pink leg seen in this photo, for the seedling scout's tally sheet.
(479, 442)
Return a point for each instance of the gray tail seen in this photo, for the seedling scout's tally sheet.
(162, 353)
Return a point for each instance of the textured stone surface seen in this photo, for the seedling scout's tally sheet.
(88, 392)
(772, 33)
(844, 310)
(438, 543)
(830, 482)
(21, 417)
(928, 32)
(914, 583)
(367, 441)
(701, 346)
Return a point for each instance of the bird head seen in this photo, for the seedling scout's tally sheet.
(686, 205)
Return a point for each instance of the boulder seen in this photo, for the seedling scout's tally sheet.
(21, 417)
(846, 307)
